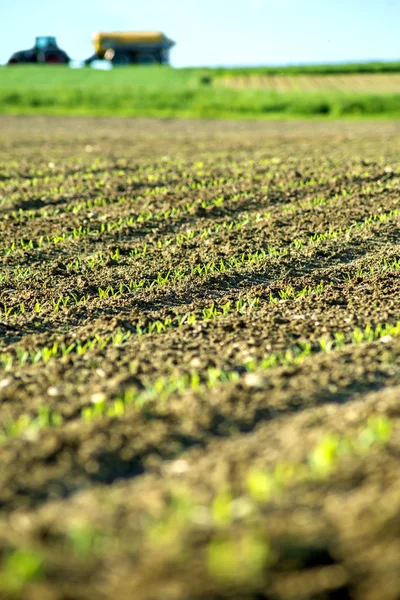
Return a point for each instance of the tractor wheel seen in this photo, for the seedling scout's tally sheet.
(51, 58)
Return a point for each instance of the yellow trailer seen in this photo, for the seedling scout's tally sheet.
(133, 47)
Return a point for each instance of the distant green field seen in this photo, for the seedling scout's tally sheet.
(335, 69)
(167, 92)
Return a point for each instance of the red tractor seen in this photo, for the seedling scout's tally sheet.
(45, 51)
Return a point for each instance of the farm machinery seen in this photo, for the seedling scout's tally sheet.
(131, 48)
(45, 51)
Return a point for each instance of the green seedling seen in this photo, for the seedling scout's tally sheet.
(21, 567)
(237, 561)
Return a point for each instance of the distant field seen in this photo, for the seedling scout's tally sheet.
(335, 69)
(371, 83)
(212, 93)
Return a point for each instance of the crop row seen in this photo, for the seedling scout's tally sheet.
(284, 293)
(59, 350)
(163, 388)
(176, 211)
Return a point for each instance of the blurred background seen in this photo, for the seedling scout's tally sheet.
(241, 59)
(217, 32)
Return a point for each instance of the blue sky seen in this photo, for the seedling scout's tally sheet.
(216, 32)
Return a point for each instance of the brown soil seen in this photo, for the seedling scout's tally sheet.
(376, 83)
(150, 499)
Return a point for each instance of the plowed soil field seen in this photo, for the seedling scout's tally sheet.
(199, 360)
(372, 83)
